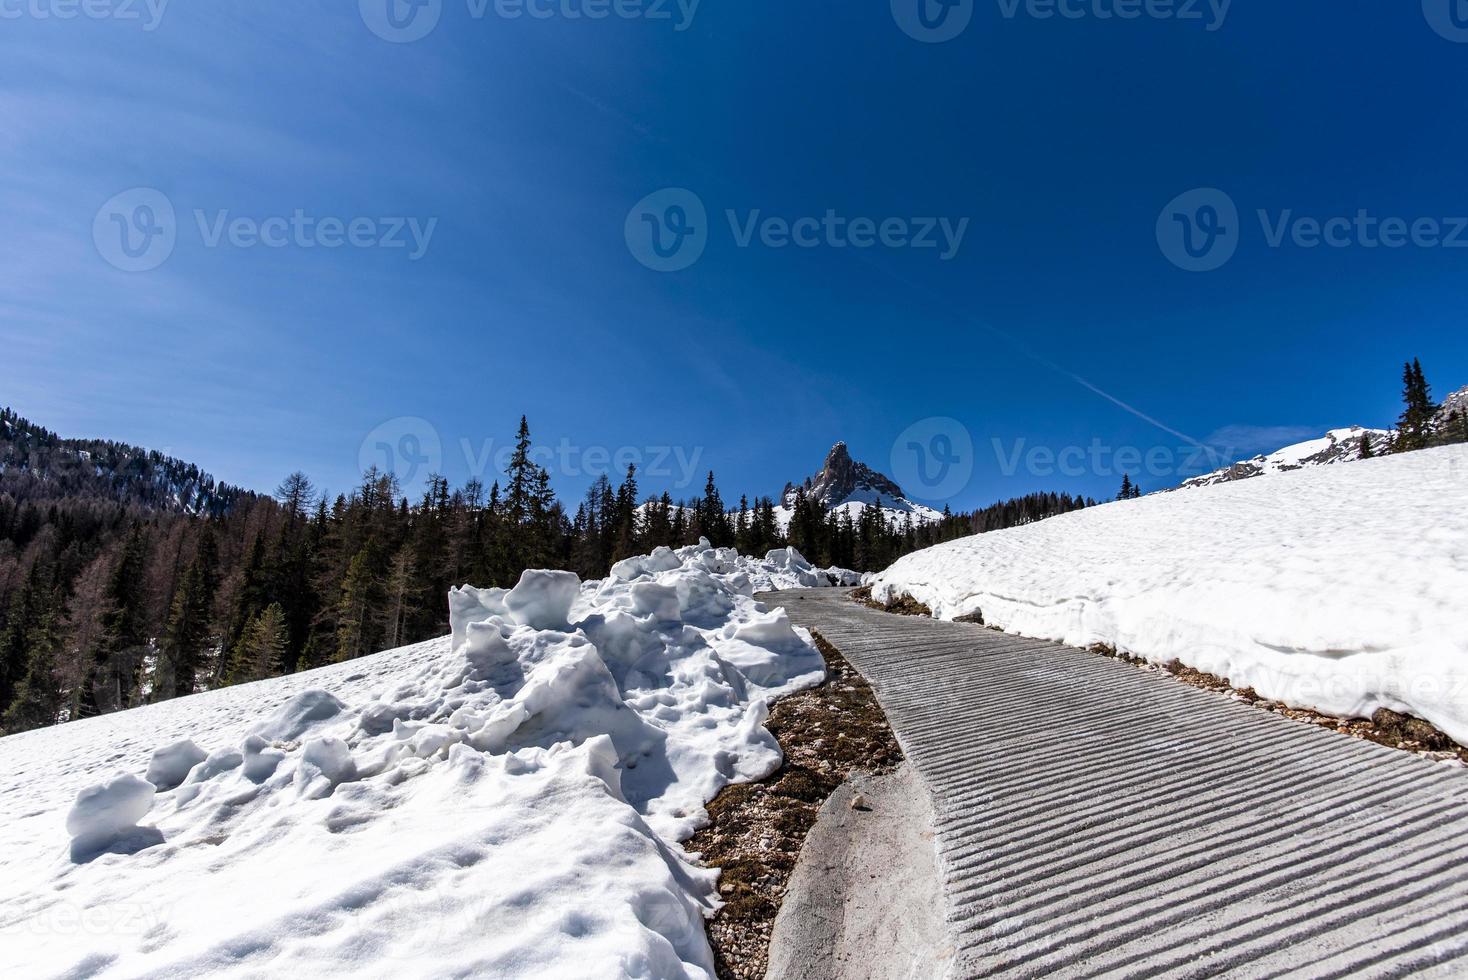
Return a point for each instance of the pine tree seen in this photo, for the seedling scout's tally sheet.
(21, 620)
(402, 595)
(185, 638)
(1126, 487)
(252, 593)
(109, 681)
(261, 648)
(713, 521)
(1414, 428)
(658, 527)
(1366, 451)
(38, 697)
(354, 609)
(627, 541)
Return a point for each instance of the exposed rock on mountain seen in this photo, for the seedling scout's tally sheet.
(844, 483)
(1336, 446)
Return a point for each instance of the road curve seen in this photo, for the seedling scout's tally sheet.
(1098, 820)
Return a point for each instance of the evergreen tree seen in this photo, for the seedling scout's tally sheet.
(1366, 451)
(109, 681)
(1126, 487)
(38, 698)
(658, 527)
(262, 647)
(252, 593)
(359, 596)
(185, 638)
(1414, 428)
(627, 539)
(402, 594)
(713, 520)
(21, 619)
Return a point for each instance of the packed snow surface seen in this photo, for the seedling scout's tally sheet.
(505, 801)
(1339, 588)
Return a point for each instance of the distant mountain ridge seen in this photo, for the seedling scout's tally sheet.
(1335, 446)
(842, 483)
(37, 464)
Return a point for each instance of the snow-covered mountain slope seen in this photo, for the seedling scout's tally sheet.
(1336, 446)
(1455, 404)
(842, 484)
(505, 801)
(1340, 588)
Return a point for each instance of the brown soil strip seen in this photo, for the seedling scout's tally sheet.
(1385, 727)
(756, 829)
(903, 605)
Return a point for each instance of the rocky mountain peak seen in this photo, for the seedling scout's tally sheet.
(841, 478)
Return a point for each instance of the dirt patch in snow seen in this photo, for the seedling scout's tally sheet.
(756, 829)
(903, 605)
(1385, 727)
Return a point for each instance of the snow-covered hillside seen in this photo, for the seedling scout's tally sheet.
(506, 801)
(1336, 446)
(1340, 588)
(844, 485)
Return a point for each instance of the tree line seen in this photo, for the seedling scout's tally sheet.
(1423, 422)
(128, 578)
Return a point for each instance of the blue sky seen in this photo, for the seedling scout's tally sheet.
(524, 145)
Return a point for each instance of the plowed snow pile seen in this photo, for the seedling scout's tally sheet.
(507, 801)
(1342, 588)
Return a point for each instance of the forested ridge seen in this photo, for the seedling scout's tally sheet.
(128, 577)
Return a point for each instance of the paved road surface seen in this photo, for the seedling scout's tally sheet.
(1094, 819)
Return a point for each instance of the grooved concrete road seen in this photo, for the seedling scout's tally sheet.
(1094, 819)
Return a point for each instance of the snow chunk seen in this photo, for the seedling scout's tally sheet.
(325, 763)
(662, 559)
(260, 760)
(108, 811)
(470, 605)
(658, 601)
(170, 765)
(542, 599)
(298, 716)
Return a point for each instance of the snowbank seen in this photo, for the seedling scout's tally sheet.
(783, 568)
(506, 801)
(786, 568)
(1340, 588)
